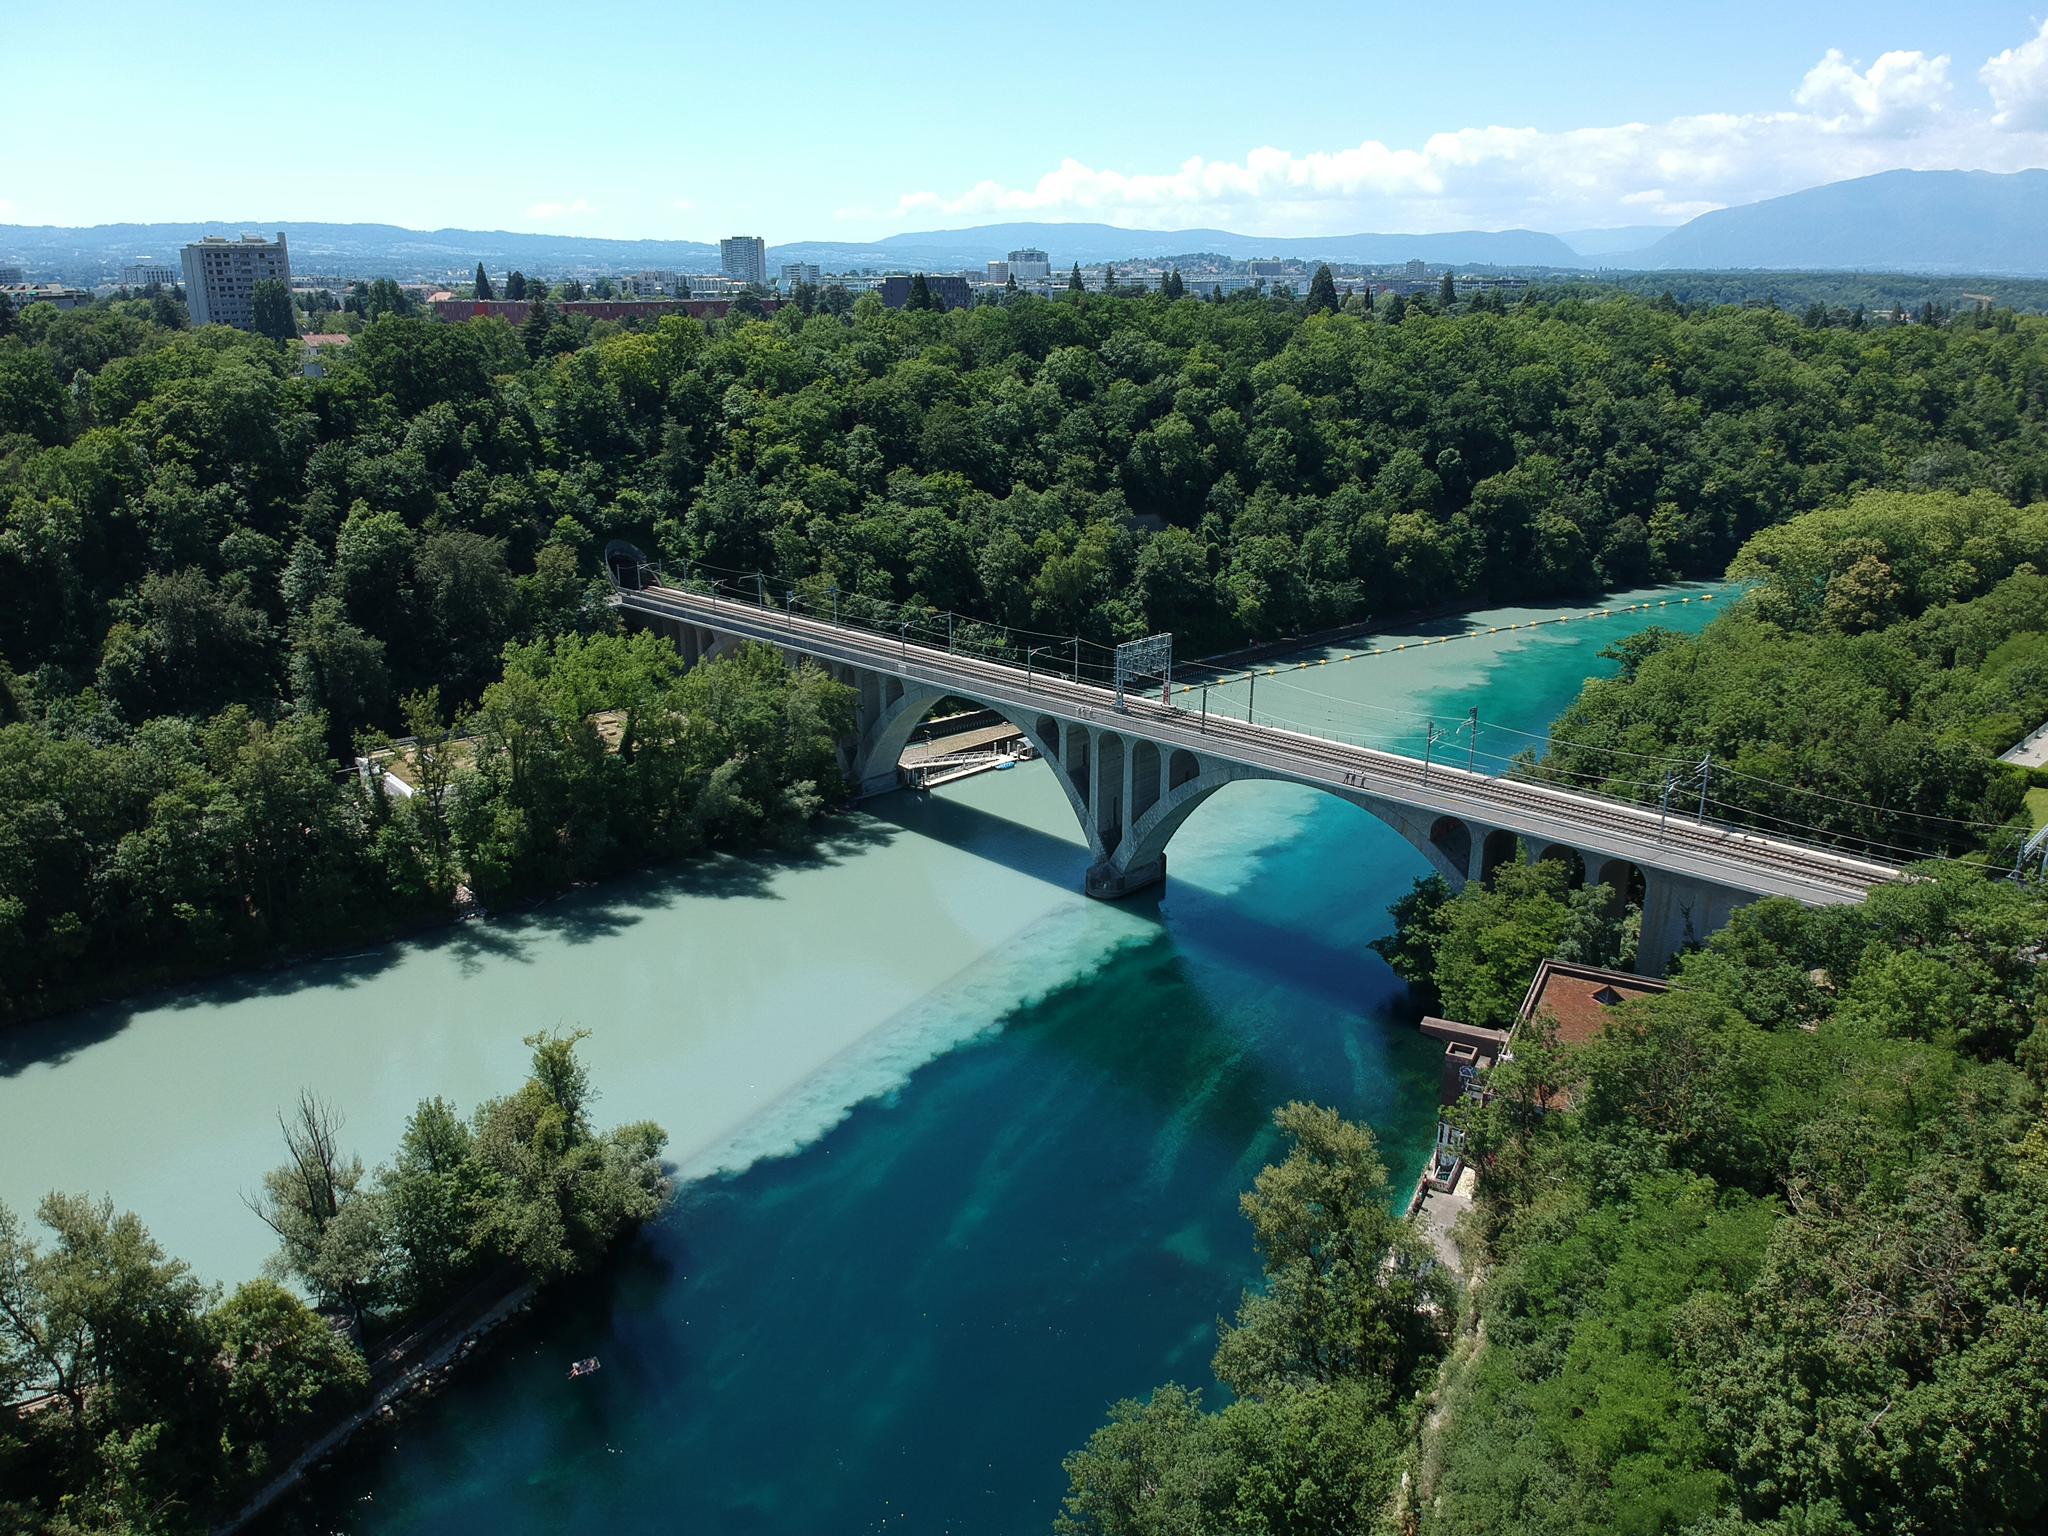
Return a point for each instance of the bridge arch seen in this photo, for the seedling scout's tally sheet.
(1500, 847)
(1627, 882)
(1568, 856)
(1143, 853)
(1453, 839)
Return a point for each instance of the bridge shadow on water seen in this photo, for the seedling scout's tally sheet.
(1209, 924)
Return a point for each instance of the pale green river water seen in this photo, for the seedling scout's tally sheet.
(947, 1121)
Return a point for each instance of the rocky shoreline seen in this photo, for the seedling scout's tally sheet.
(408, 1381)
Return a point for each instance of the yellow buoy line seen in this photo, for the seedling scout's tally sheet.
(1470, 634)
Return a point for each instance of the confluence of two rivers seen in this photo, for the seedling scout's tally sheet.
(964, 1147)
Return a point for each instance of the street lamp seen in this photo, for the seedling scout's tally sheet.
(1031, 654)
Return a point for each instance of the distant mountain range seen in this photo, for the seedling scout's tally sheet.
(1898, 221)
(1087, 243)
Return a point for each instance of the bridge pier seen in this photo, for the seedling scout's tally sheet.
(1678, 911)
(1133, 777)
(1109, 881)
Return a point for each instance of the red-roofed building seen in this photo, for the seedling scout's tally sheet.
(1575, 1000)
(320, 341)
(1579, 999)
(515, 311)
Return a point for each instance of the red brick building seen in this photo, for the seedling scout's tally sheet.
(516, 310)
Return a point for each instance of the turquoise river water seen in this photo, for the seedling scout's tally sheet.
(962, 1149)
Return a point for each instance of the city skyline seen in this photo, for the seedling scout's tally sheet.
(1603, 116)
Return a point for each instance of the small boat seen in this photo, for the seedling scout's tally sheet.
(585, 1367)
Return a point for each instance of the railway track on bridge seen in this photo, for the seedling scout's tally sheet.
(1732, 855)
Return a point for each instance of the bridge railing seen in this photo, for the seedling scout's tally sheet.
(1068, 660)
(1072, 657)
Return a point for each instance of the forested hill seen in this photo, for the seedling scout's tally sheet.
(211, 565)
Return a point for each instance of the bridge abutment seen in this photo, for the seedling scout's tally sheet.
(1677, 912)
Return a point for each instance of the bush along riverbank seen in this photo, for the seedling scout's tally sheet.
(144, 1401)
(133, 859)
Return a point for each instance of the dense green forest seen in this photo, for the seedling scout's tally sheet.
(1880, 295)
(218, 575)
(1782, 1268)
(1779, 1269)
(158, 1405)
(1886, 651)
(1771, 1254)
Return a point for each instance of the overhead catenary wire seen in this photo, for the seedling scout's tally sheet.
(1326, 720)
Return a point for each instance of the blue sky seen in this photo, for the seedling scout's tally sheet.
(818, 122)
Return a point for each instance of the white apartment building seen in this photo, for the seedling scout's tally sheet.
(1028, 266)
(222, 274)
(649, 285)
(794, 272)
(713, 285)
(140, 274)
(744, 257)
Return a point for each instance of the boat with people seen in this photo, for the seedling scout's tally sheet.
(585, 1367)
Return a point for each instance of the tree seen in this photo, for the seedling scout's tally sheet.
(338, 672)
(563, 1194)
(1351, 1291)
(483, 283)
(1322, 292)
(329, 1225)
(103, 1320)
(1446, 293)
(438, 1195)
(533, 335)
(465, 585)
(515, 284)
(1410, 950)
(7, 318)
(1074, 279)
(1158, 1468)
(419, 837)
(1397, 309)
(285, 1366)
(920, 293)
(270, 311)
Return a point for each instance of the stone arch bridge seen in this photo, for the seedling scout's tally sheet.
(1134, 775)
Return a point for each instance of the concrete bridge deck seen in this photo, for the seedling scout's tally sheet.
(1135, 774)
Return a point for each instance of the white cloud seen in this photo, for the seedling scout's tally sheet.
(558, 210)
(1843, 120)
(2018, 82)
(1900, 90)
(1660, 205)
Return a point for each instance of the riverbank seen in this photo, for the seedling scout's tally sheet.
(162, 985)
(1407, 621)
(948, 1121)
(415, 1373)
